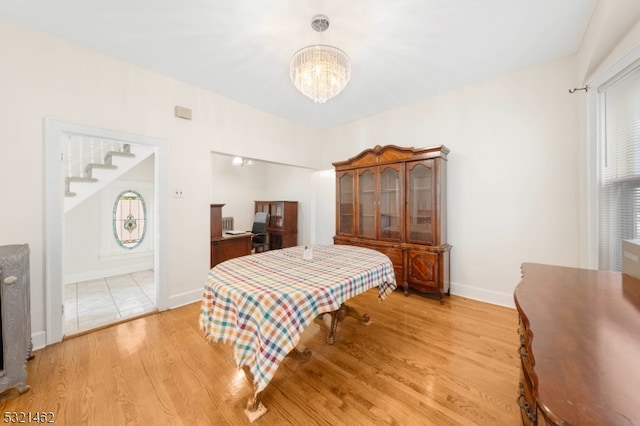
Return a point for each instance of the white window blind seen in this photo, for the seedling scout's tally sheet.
(619, 165)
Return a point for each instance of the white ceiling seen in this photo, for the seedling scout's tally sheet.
(401, 51)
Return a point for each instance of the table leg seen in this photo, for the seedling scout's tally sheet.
(254, 408)
(339, 315)
(298, 355)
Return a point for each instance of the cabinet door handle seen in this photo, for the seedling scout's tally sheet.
(10, 280)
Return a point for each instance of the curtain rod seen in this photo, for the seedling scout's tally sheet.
(585, 88)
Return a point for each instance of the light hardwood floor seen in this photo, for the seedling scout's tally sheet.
(418, 363)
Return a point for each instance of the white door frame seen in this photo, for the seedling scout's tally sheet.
(54, 130)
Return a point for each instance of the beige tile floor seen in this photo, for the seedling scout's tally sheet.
(92, 304)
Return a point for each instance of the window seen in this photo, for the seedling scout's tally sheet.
(129, 219)
(619, 165)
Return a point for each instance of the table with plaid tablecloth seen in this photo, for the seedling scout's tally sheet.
(262, 303)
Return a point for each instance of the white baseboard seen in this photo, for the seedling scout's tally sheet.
(185, 298)
(39, 340)
(482, 295)
(110, 272)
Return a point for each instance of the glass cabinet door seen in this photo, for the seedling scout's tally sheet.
(366, 204)
(276, 211)
(261, 206)
(420, 202)
(346, 203)
(390, 207)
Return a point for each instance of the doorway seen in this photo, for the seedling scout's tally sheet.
(96, 303)
(59, 305)
(109, 239)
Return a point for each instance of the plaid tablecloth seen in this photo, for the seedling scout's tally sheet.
(262, 303)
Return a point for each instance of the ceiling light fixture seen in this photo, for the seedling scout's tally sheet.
(320, 72)
(239, 161)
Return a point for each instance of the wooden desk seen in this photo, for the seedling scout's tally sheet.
(229, 246)
(580, 346)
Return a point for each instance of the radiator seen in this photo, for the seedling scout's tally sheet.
(227, 224)
(15, 317)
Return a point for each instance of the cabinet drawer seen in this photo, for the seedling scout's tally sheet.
(524, 332)
(526, 357)
(527, 365)
(394, 254)
(526, 402)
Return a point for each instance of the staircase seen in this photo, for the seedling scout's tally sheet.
(91, 164)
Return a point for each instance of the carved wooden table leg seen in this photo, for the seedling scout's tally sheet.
(339, 315)
(254, 408)
(298, 355)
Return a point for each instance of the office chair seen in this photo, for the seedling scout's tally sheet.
(259, 230)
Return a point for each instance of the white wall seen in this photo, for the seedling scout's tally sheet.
(323, 207)
(512, 171)
(613, 32)
(516, 168)
(237, 187)
(519, 163)
(292, 184)
(45, 77)
(91, 250)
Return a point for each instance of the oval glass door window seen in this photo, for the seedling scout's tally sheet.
(129, 219)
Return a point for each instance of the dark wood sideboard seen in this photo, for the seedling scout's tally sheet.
(580, 346)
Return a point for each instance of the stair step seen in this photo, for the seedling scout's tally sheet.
(100, 166)
(80, 179)
(98, 173)
(89, 167)
(109, 156)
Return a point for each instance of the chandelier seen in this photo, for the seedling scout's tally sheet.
(320, 72)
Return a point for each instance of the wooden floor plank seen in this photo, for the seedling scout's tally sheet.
(418, 362)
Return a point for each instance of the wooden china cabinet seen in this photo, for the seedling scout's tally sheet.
(393, 199)
(282, 229)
